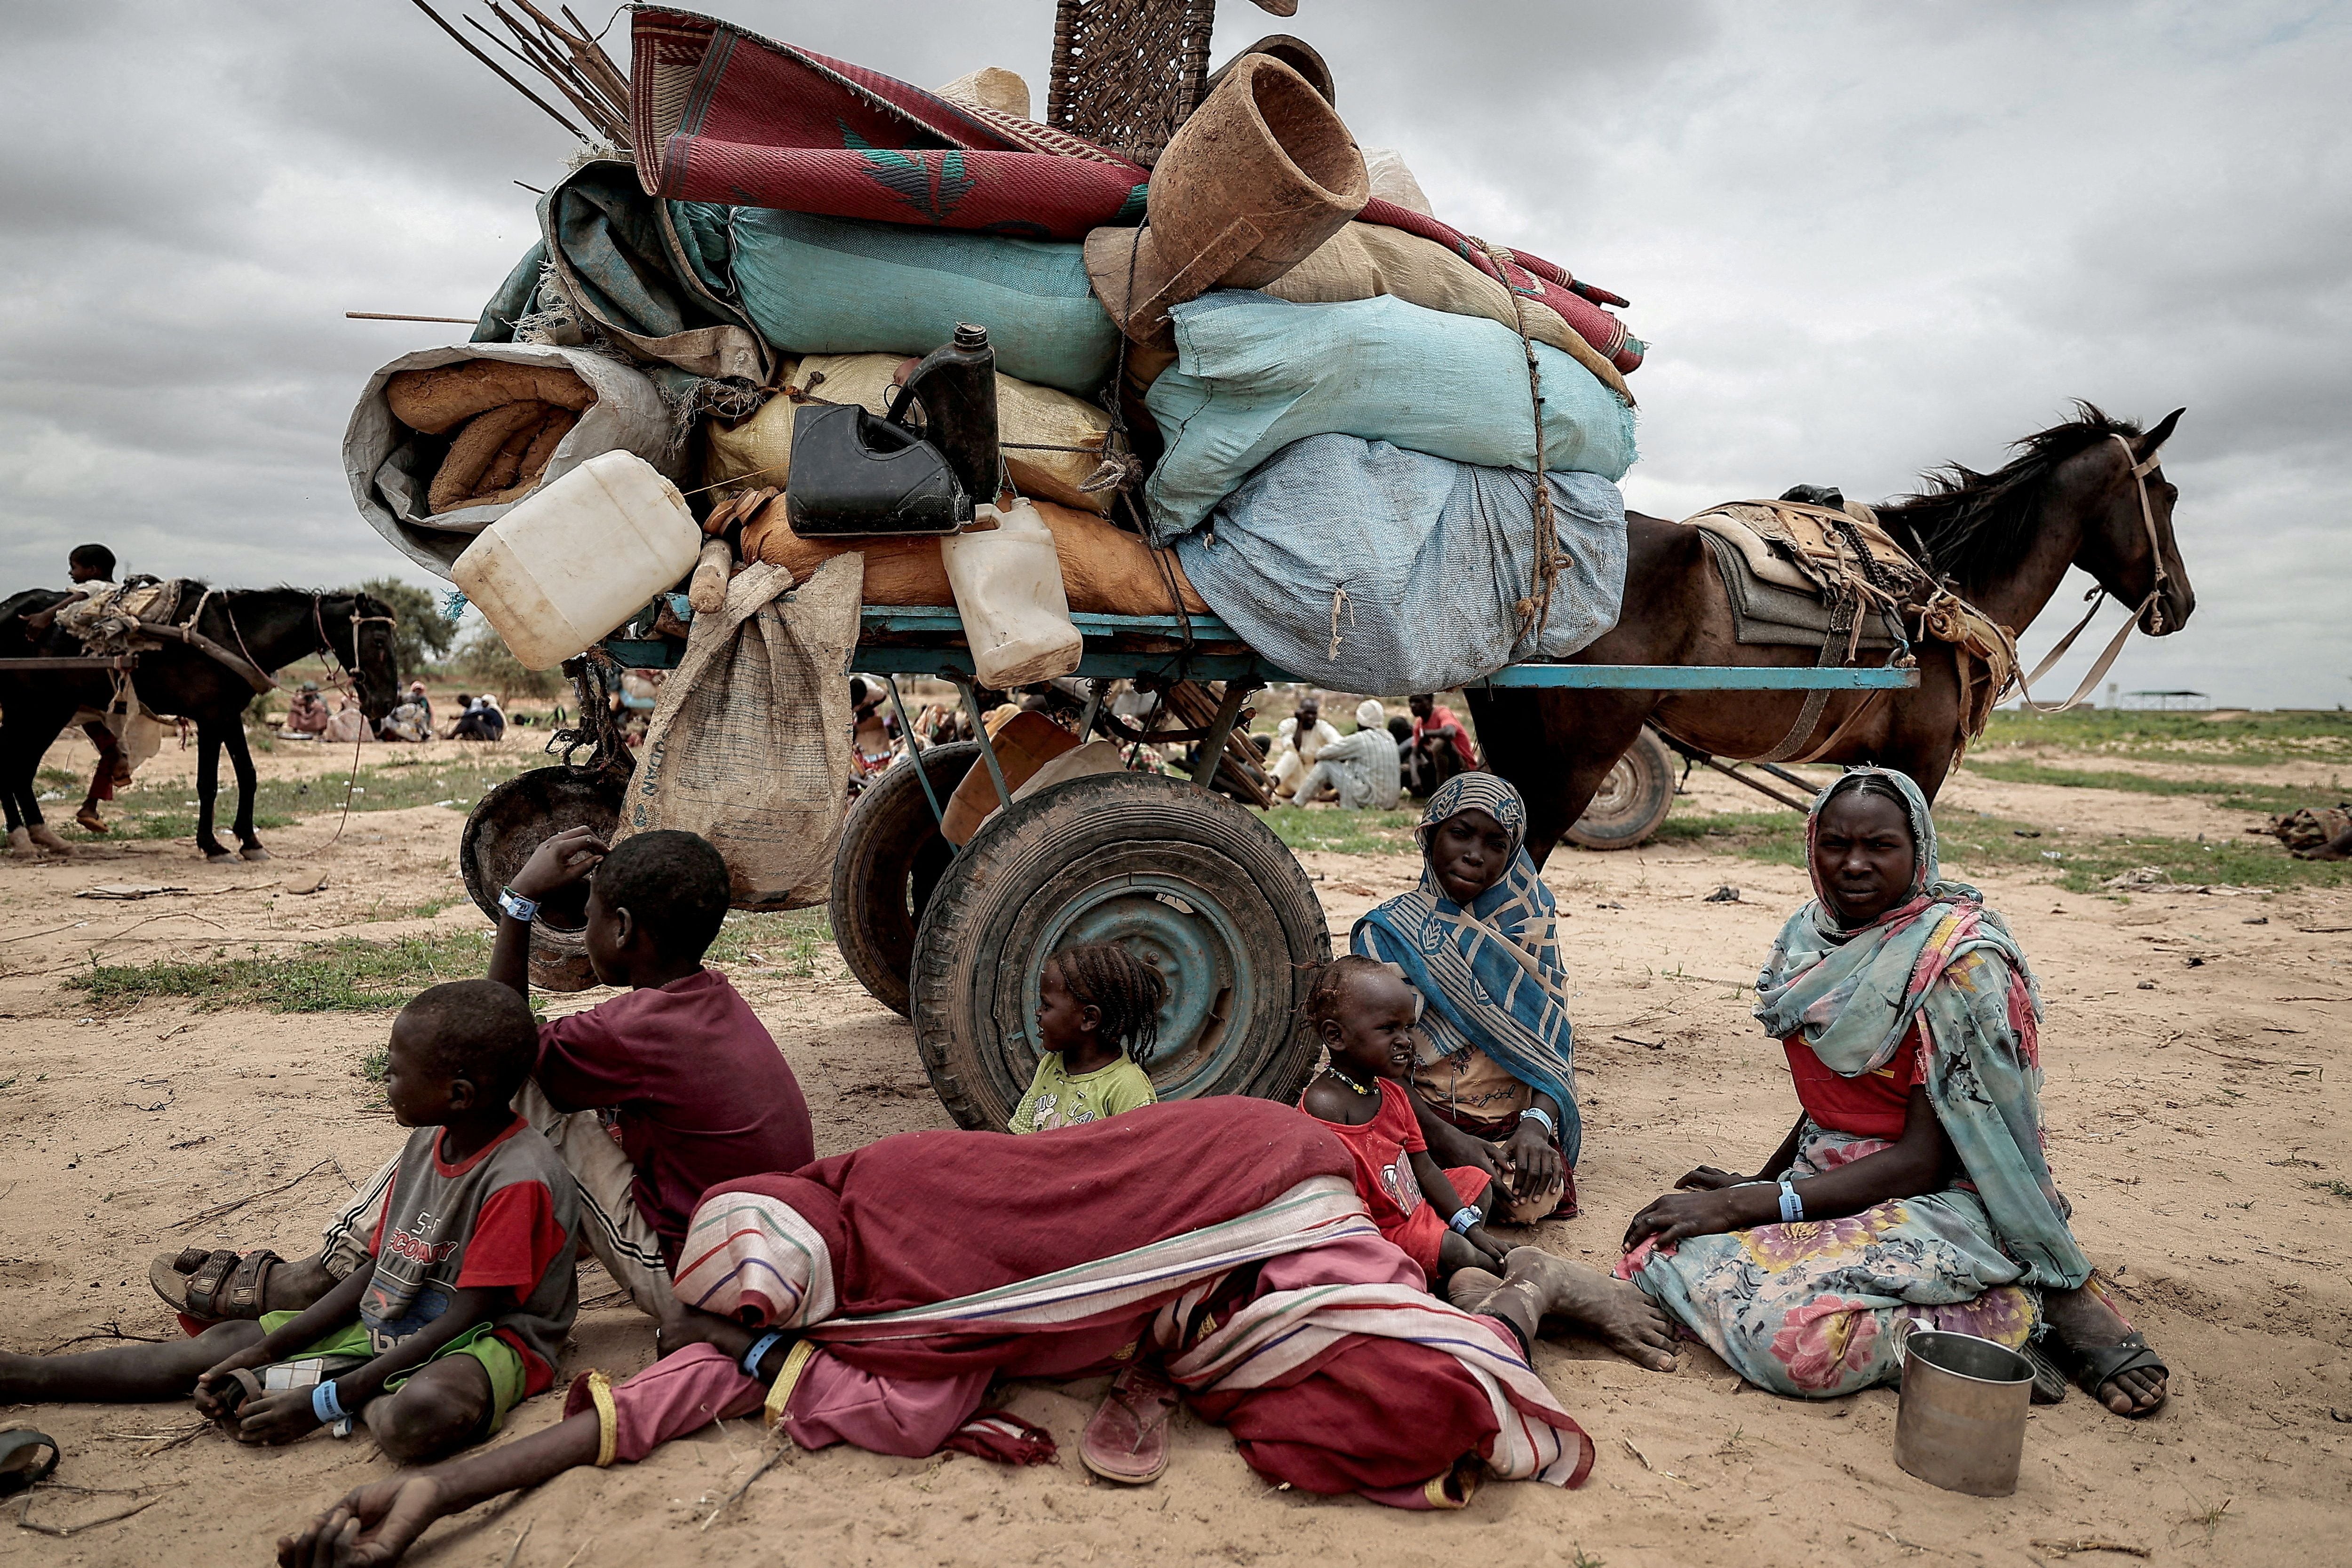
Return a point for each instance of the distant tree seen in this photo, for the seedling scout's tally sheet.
(424, 634)
(484, 658)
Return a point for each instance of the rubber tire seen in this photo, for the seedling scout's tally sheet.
(1632, 800)
(891, 859)
(982, 938)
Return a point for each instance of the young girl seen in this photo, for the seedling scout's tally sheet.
(1364, 1014)
(1097, 1018)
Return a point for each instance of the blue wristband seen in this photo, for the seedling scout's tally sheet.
(1464, 1218)
(1792, 1207)
(515, 904)
(760, 1347)
(327, 1403)
(1551, 1127)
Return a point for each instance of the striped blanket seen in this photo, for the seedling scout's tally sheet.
(1285, 1320)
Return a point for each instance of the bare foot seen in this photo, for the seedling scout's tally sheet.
(1469, 1288)
(371, 1527)
(2084, 1321)
(20, 841)
(46, 838)
(1612, 1311)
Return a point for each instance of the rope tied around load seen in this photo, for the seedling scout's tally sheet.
(1550, 561)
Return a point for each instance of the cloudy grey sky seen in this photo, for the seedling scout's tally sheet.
(1861, 239)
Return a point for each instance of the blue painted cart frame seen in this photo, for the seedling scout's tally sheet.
(910, 641)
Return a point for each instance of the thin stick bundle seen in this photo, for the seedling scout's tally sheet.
(570, 60)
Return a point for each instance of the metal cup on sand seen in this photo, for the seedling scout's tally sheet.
(1961, 1425)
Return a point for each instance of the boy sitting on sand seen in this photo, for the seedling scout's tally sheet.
(471, 1288)
(700, 1092)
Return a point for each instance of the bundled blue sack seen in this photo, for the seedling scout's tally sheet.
(1254, 373)
(1359, 566)
(814, 285)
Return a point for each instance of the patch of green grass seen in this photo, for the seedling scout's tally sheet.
(1971, 845)
(376, 1066)
(57, 778)
(2270, 798)
(2301, 737)
(160, 810)
(787, 944)
(346, 975)
(2334, 1188)
(1343, 832)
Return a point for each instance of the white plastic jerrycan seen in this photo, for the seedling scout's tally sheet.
(1008, 588)
(576, 559)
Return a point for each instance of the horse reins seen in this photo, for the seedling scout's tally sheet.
(319, 623)
(2140, 467)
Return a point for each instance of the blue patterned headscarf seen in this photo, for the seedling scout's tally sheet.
(1490, 969)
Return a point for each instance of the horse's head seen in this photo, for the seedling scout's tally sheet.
(361, 627)
(2128, 542)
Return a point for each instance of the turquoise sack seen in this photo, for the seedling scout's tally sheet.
(828, 285)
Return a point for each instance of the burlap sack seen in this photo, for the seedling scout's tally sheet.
(749, 745)
(1365, 259)
(759, 449)
(1104, 571)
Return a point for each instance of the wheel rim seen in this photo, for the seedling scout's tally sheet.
(1197, 951)
(1617, 793)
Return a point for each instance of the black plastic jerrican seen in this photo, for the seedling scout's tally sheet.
(853, 474)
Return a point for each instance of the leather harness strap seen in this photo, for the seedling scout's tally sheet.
(2139, 471)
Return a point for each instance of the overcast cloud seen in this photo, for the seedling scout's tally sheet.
(1861, 239)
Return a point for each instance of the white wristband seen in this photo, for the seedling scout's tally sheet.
(513, 903)
(1551, 1127)
(1792, 1207)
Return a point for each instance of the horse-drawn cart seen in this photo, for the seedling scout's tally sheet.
(956, 939)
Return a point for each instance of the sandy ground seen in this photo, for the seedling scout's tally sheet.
(2197, 1107)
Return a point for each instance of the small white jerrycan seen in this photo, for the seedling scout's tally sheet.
(578, 557)
(1008, 588)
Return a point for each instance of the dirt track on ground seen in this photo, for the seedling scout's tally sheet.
(2197, 1110)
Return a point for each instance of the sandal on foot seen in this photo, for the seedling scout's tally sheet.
(90, 821)
(213, 1285)
(19, 1468)
(1127, 1440)
(2096, 1368)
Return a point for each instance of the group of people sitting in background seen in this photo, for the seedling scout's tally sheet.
(1381, 761)
(1328, 1282)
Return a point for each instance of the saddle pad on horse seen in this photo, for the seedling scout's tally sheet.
(103, 622)
(1777, 558)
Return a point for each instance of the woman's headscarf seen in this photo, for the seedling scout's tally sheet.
(1489, 971)
(1941, 959)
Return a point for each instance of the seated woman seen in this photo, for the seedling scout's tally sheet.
(1913, 1187)
(874, 1296)
(1494, 1083)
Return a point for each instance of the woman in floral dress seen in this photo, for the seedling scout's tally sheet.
(1913, 1189)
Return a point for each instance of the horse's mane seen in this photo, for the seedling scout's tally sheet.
(1967, 526)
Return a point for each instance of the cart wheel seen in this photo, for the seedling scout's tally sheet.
(517, 817)
(890, 858)
(1187, 881)
(1631, 801)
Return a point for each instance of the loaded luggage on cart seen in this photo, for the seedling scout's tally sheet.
(818, 371)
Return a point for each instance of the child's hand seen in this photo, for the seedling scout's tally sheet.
(277, 1417)
(1477, 1236)
(1707, 1179)
(215, 1390)
(558, 863)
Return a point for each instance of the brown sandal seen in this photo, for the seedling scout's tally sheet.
(217, 1285)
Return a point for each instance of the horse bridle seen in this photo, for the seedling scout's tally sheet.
(319, 622)
(2140, 468)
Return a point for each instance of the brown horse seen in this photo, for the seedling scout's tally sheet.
(2002, 541)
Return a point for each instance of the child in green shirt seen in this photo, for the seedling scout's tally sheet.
(1097, 1018)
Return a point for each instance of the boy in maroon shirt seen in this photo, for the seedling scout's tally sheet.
(700, 1093)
